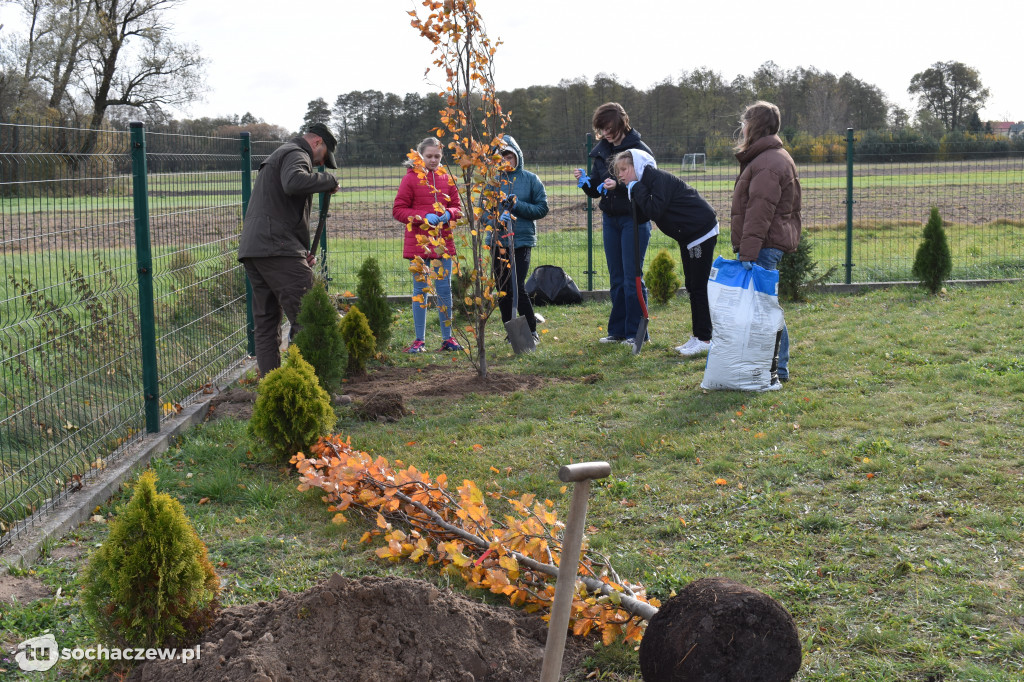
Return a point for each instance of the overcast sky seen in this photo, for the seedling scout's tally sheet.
(271, 57)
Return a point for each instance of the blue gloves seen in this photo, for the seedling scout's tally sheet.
(433, 219)
(505, 217)
(602, 189)
(584, 180)
(511, 199)
(747, 265)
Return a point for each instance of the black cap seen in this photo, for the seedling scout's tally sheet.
(324, 133)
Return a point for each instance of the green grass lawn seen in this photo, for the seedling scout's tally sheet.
(879, 496)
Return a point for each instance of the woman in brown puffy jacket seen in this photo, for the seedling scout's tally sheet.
(765, 200)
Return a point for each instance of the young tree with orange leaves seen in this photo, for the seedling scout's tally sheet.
(471, 126)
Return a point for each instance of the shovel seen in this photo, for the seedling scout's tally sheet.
(518, 328)
(580, 475)
(638, 263)
(321, 225)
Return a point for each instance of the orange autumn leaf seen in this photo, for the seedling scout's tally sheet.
(721, 481)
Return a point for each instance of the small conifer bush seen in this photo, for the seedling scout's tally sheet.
(933, 262)
(358, 340)
(662, 279)
(319, 339)
(150, 584)
(797, 272)
(373, 302)
(292, 411)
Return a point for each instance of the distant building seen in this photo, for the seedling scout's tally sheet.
(1002, 128)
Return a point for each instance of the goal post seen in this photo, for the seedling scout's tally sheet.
(694, 163)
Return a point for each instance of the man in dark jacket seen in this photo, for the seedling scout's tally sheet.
(275, 243)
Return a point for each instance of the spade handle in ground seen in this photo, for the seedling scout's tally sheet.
(572, 540)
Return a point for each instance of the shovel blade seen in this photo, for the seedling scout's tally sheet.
(520, 336)
(641, 335)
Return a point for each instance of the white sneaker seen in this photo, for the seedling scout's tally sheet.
(539, 318)
(694, 347)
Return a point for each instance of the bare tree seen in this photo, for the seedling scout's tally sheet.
(132, 60)
(91, 55)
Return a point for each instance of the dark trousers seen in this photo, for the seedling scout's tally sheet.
(696, 270)
(503, 276)
(278, 285)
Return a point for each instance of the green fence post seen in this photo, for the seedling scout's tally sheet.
(849, 205)
(144, 258)
(250, 323)
(590, 223)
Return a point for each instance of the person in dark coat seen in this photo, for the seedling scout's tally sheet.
(275, 242)
(611, 124)
(683, 214)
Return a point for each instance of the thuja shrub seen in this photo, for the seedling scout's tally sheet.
(292, 411)
(319, 338)
(373, 302)
(359, 340)
(933, 262)
(150, 583)
(797, 272)
(662, 279)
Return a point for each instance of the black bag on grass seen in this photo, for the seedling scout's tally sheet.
(549, 285)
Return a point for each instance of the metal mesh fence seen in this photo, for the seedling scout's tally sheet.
(71, 358)
(894, 186)
(70, 353)
(199, 285)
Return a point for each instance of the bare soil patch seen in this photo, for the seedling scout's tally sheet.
(433, 381)
(21, 589)
(384, 394)
(367, 630)
(236, 403)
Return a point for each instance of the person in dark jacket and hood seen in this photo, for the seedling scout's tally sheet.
(611, 124)
(765, 200)
(525, 201)
(275, 242)
(683, 214)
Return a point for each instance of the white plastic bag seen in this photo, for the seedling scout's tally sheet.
(746, 319)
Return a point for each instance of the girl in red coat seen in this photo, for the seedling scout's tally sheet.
(428, 204)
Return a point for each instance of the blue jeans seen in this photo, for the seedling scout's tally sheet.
(769, 260)
(619, 252)
(443, 300)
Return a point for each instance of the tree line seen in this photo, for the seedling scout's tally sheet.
(96, 64)
(679, 113)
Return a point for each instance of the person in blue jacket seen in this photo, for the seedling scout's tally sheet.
(611, 124)
(684, 215)
(525, 201)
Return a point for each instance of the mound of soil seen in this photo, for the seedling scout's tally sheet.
(719, 630)
(386, 406)
(367, 630)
